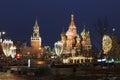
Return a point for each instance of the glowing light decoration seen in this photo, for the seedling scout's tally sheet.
(58, 48)
(106, 44)
(8, 48)
(13, 51)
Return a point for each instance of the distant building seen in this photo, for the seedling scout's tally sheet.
(35, 38)
(74, 43)
(35, 48)
(36, 41)
(71, 34)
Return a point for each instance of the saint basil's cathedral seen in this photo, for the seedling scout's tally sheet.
(73, 42)
(76, 46)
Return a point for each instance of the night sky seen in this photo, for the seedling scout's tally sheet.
(17, 17)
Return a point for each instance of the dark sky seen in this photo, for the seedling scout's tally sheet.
(17, 17)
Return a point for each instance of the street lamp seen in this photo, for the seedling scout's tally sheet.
(1, 33)
(28, 53)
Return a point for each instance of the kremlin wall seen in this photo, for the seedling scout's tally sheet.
(73, 47)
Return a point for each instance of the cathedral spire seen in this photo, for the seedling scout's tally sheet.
(84, 31)
(72, 20)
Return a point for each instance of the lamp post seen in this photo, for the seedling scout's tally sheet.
(28, 53)
(1, 33)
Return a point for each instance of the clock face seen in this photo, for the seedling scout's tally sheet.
(106, 44)
(35, 34)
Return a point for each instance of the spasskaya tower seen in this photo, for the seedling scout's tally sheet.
(35, 38)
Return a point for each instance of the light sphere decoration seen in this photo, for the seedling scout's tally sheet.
(106, 44)
(58, 48)
(8, 48)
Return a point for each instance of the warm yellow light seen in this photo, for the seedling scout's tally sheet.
(28, 53)
(40, 62)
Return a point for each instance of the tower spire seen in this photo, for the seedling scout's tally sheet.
(36, 22)
(72, 20)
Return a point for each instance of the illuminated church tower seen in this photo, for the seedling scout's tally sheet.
(35, 38)
(71, 34)
(86, 41)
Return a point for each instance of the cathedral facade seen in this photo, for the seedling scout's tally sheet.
(75, 43)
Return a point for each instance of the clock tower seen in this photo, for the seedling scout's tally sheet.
(35, 38)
